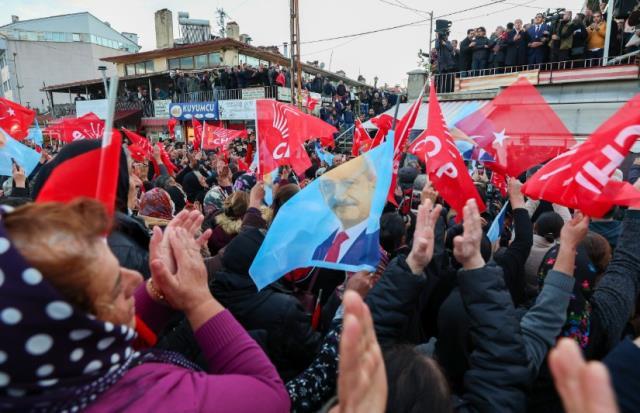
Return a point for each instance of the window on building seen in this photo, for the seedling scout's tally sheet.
(76, 37)
(201, 61)
(174, 64)
(215, 59)
(3, 60)
(249, 60)
(130, 69)
(148, 66)
(140, 70)
(186, 62)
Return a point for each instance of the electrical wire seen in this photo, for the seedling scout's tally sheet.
(402, 25)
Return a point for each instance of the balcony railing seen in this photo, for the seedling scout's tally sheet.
(69, 109)
(261, 92)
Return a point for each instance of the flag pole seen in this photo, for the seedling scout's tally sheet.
(106, 137)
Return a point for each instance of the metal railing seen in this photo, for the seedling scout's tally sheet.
(445, 82)
(69, 109)
(260, 92)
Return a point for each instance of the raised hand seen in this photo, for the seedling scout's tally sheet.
(423, 238)
(256, 195)
(19, 176)
(466, 247)
(515, 193)
(362, 381)
(186, 287)
(574, 231)
(428, 192)
(583, 387)
(159, 247)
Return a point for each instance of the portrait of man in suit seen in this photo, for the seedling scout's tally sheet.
(349, 192)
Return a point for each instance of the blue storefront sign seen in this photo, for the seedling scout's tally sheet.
(198, 110)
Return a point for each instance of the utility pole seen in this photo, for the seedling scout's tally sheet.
(296, 66)
(607, 38)
(292, 25)
(222, 28)
(430, 41)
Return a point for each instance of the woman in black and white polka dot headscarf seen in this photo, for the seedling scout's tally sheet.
(54, 354)
(66, 337)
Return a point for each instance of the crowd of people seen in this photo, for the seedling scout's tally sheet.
(165, 317)
(555, 38)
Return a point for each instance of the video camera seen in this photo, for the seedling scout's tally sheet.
(553, 16)
(442, 28)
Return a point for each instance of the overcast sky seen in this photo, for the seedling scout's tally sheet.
(388, 55)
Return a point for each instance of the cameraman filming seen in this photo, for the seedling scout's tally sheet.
(447, 62)
(562, 38)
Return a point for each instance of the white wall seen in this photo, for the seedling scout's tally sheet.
(55, 63)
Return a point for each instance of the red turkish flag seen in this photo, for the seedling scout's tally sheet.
(499, 181)
(281, 131)
(361, 139)
(400, 136)
(171, 126)
(384, 123)
(445, 166)
(15, 119)
(518, 129)
(215, 137)
(166, 160)
(581, 178)
(94, 174)
(140, 147)
(197, 134)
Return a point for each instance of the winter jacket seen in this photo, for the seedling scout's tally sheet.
(317, 383)
(513, 259)
(291, 344)
(622, 364)
(465, 55)
(538, 250)
(224, 230)
(237, 376)
(129, 242)
(481, 49)
(609, 229)
(498, 372)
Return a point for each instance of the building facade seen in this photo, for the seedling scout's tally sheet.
(53, 50)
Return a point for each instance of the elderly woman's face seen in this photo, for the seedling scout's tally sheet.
(111, 288)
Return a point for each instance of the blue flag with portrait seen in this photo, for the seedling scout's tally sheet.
(334, 222)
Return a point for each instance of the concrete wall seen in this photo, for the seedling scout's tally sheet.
(54, 63)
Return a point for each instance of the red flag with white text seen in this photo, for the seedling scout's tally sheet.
(88, 126)
(361, 139)
(140, 147)
(216, 137)
(445, 166)
(518, 129)
(281, 131)
(581, 178)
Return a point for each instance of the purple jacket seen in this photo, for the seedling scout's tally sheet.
(240, 377)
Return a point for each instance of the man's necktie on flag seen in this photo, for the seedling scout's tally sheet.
(582, 177)
(281, 131)
(94, 174)
(13, 150)
(15, 119)
(445, 166)
(518, 130)
(334, 222)
(498, 223)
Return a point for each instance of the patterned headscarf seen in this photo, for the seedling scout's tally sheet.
(55, 357)
(578, 324)
(244, 183)
(52, 356)
(156, 203)
(214, 199)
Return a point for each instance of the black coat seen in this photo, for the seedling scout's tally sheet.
(516, 50)
(129, 242)
(498, 366)
(465, 55)
(288, 340)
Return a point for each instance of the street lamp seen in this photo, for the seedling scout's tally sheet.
(103, 70)
(375, 82)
